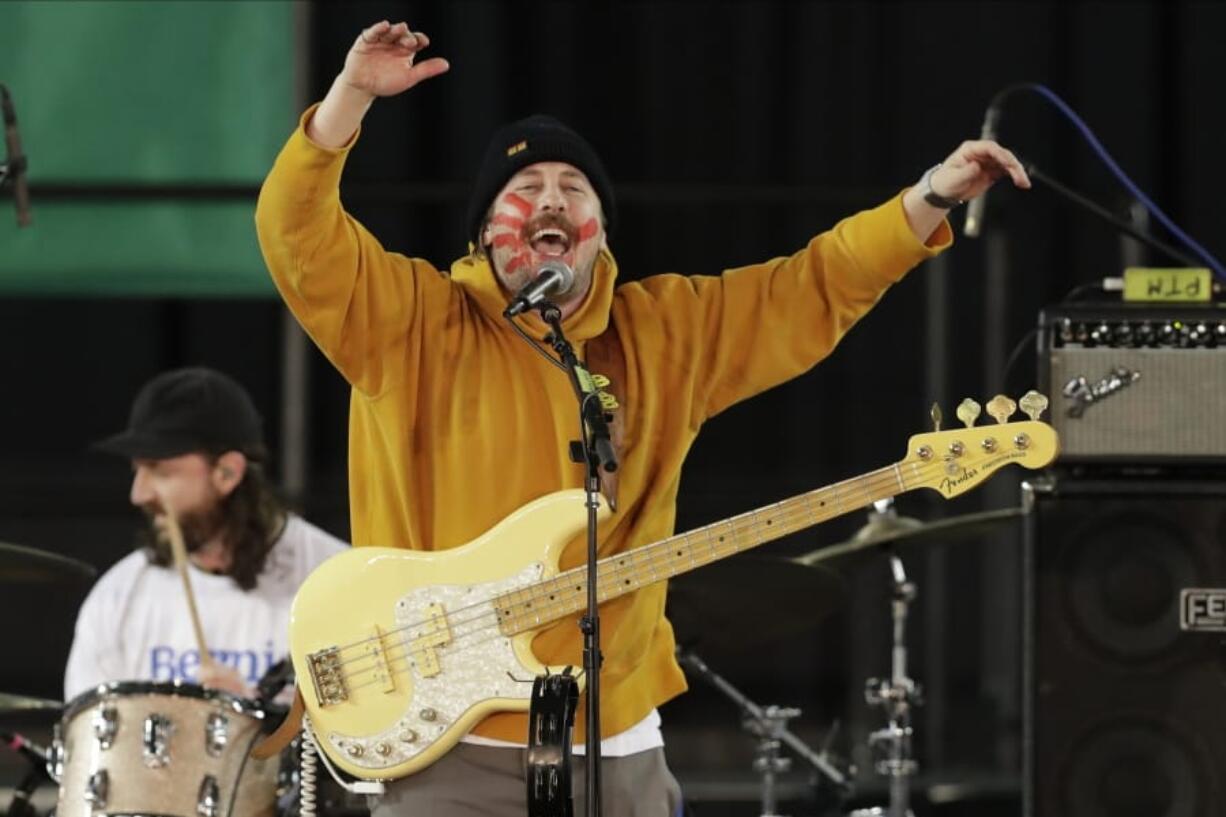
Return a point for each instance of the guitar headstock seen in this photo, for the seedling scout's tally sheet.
(952, 462)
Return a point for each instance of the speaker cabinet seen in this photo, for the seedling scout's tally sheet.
(1125, 713)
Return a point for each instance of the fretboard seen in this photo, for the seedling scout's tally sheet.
(539, 604)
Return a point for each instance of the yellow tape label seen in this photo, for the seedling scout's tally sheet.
(1168, 284)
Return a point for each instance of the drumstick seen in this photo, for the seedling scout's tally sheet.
(179, 548)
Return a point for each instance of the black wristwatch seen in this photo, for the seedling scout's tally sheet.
(932, 197)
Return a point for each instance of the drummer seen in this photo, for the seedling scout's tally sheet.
(196, 444)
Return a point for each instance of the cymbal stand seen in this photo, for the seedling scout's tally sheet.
(769, 725)
(898, 696)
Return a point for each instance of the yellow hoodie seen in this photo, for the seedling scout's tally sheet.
(455, 422)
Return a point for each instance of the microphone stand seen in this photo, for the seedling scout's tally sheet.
(595, 451)
(1106, 215)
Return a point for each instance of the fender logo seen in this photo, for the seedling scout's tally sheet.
(949, 483)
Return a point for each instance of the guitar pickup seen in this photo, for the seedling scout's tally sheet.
(376, 649)
(423, 647)
(327, 676)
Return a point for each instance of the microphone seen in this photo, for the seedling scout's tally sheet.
(974, 210)
(15, 162)
(552, 278)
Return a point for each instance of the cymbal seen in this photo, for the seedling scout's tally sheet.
(19, 564)
(20, 704)
(747, 600)
(905, 531)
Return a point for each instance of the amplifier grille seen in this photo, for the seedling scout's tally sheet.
(1176, 408)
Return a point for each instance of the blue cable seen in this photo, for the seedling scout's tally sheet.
(1187, 240)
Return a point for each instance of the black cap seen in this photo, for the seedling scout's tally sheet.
(189, 410)
(538, 138)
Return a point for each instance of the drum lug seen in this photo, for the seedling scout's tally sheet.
(106, 724)
(208, 798)
(216, 734)
(97, 788)
(57, 756)
(158, 729)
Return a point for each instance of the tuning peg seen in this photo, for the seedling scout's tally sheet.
(936, 416)
(968, 412)
(1002, 408)
(1033, 403)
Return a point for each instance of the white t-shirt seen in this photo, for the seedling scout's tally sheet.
(134, 625)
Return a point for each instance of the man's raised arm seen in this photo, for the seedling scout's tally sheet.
(353, 298)
(382, 62)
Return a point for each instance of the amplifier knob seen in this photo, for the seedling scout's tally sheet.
(1123, 334)
(1100, 335)
(1219, 334)
(1145, 334)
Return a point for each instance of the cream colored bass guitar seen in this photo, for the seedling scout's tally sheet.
(399, 653)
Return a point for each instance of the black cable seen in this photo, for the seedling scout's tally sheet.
(1014, 356)
(1080, 289)
(533, 343)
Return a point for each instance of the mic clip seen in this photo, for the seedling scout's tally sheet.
(15, 166)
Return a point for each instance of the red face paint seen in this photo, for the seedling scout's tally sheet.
(588, 229)
(518, 261)
(519, 203)
(503, 220)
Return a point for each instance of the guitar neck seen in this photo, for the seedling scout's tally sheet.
(566, 593)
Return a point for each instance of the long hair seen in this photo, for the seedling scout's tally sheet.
(252, 518)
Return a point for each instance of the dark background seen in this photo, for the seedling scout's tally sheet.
(733, 131)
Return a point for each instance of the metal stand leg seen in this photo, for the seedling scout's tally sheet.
(897, 696)
(769, 725)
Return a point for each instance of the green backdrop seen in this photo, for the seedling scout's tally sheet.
(144, 93)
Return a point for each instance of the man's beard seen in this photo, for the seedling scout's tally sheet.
(198, 527)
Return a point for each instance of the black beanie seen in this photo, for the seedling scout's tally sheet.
(538, 138)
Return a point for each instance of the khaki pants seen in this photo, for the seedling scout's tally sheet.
(486, 780)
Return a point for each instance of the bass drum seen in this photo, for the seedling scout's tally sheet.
(161, 750)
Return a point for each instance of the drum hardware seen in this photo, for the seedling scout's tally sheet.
(39, 771)
(885, 527)
(156, 747)
(897, 696)
(105, 724)
(216, 734)
(768, 725)
(161, 748)
(27, 565)
(97, 789)
(208, 798)
(23, 704)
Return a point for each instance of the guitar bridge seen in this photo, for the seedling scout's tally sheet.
(327, 676)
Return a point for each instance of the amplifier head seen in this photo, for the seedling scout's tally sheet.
(1132, 384)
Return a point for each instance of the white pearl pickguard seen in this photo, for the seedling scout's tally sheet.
(479, 663)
